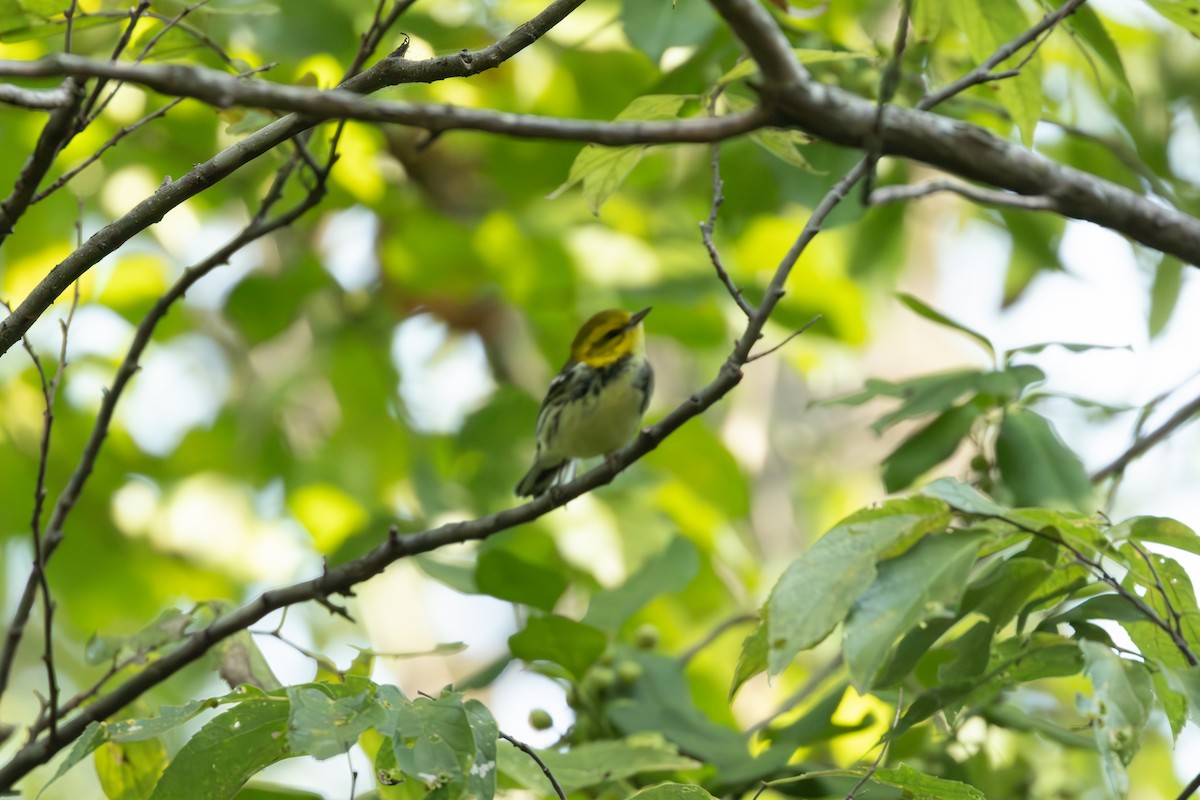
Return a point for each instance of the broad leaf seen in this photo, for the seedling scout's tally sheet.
(573, 645)
(1037, 467)
(925, 583)
(817, 591)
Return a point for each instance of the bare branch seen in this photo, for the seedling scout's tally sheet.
(990, 197)
(36, 99)
(887, 90)
(222, 91)
(983, 73)
(1144, 443)
(52, 139)
(529, 751)
(1192, 787)
(706, 228)
(342, 579)
(790, 336)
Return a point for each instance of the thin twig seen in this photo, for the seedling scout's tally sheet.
(69, 16)
(1107, 577)
(170, 25)
(714, 634)
(1143, 443)
(1191, 788)
(529, 751)
(1176, 618)
(135, 13)
(991, 197)
(888, 84)
(791, 336)
(983, 73)
(882, 750)
(706, 228)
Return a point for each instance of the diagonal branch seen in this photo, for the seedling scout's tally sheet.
(52, 139)
(1143, 443)
(341, 580)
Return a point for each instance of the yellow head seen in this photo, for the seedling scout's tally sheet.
(608, 336)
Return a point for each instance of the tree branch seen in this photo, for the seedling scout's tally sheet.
(990, 197)
(387, 72)
(1144, 443)
(956, 147)
(36, 99)
(222, 91)
(983, 73)
(341, 580)
(56, 133)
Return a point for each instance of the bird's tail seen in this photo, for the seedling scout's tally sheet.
(541, 477)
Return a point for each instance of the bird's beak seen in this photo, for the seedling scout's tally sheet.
(635, 319)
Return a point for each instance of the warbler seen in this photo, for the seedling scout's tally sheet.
(596, 402)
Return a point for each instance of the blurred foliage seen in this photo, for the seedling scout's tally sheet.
(381, 360)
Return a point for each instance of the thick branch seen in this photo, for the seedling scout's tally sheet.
(956, 147)
(222, 90)
(40, 99)
(389, 71)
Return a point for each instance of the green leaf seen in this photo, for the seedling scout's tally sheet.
(963, 497)
(459, 577)
(753, 658)
(563, 641)
(522, 566)
(672, 791)
(1089, 31)
(1036, 466)
(928, 447)
(481, 777)
(92, 737)
(1160, 530)
(239, 661)
(1119, 708)
(130, 770)
(227, 751)
(652, 26)
(168, 718)
(434, 743)
(1071, 347)
(1184, 13)
(818, 589)
(602, 169)
(325, 720)
(595, 763)
(1164, 293)
(661, 703)
(928, 19)
(920, 786)
(669, 571)
(924, 583)
(933, 315)
(989, 24)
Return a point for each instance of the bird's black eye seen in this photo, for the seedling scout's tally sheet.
(613, 334)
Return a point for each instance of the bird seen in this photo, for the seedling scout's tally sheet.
(595, 403)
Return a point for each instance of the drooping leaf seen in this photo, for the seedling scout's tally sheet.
(920, 786)
(129, 770)
(227, 751)
(573, 645)
(817, 590)
(325, 720)
(753, 658)
(935, 316)
(1184, 13)
(924, 583)
(669, 571)
(522, 566)
(655, 25)
(1119, 708)
(989, 24)
(928, 447)
(1036, 466)
(1164, 293)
